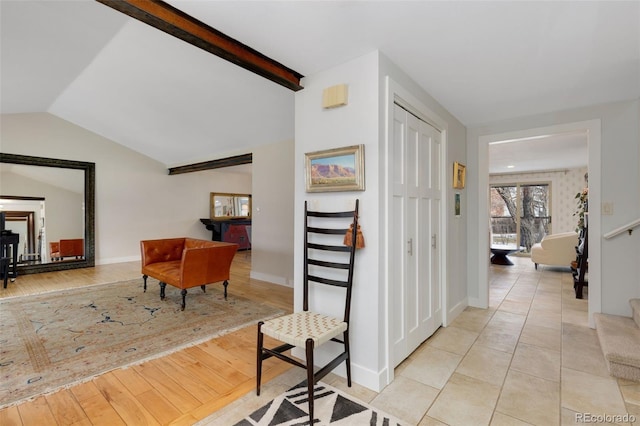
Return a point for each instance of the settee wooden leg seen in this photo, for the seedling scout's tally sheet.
(144, 278)
(184, 295)
(536, 266)
(162, 286)
(204, 289)
(225, 283)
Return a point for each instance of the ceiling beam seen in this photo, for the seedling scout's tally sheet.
(172, 21)
(213, 164)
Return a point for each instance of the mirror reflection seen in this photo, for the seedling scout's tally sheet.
(48, 204)
(229, 206)
(25, 217)
(35, 196)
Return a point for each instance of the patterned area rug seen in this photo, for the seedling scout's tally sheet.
(331, 407)
(53, 340)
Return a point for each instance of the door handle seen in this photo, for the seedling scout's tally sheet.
(433, 241)
(410, 248)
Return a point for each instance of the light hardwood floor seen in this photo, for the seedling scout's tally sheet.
(178, 389)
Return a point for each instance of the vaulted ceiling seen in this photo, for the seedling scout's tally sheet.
(484, 61)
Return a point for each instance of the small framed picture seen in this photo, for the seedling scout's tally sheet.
(459, 175)
(456, 204)
(339, 169)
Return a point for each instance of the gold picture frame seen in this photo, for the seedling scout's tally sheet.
(225, 206)
(459, 175)
(338, 169)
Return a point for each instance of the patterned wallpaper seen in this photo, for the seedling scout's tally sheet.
(565, 184)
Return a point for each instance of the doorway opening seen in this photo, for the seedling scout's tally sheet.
(592, 130)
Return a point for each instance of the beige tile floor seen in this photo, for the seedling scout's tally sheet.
(530, 359)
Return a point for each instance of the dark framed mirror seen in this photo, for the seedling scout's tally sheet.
(66, 175)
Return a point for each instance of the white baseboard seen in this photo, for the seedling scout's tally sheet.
(455, 311)
(270, 278)
(359, 374)
(117, 260)
(477, 303)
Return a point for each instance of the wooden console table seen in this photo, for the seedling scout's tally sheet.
(230, 231)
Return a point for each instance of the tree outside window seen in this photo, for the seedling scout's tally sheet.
(520, 214)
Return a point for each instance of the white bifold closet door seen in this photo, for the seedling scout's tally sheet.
(415, 233)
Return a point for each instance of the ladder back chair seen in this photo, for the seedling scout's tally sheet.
(327, 261)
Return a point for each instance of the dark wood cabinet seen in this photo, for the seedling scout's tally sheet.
(231, 231)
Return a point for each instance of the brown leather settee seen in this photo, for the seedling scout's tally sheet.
(67, 248)
(186, 262)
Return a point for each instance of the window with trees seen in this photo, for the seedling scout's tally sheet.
(520, 214)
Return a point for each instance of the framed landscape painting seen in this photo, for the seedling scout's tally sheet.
(339, 169)
(459, 175)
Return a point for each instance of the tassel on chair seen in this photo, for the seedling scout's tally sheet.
(348, 237)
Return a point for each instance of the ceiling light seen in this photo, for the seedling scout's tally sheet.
(510, 166)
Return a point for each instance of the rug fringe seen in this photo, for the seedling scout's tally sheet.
(62, 290)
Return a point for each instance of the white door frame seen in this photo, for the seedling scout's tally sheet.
(397, 94)
(593, 128)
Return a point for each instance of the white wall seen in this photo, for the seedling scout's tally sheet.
(317, 129)
(272, 216)
(619, 184)
(135, 197)
(362, 121)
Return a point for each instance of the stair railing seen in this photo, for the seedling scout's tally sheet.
(628, 227)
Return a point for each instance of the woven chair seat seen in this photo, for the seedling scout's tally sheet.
(296, 328)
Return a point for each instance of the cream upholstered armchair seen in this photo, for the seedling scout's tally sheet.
(555, 249)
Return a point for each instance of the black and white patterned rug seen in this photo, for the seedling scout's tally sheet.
(331, 407)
